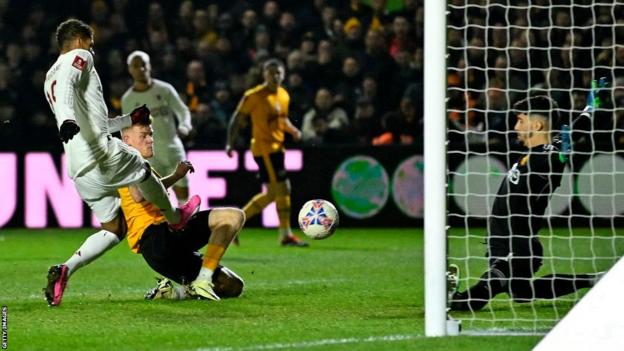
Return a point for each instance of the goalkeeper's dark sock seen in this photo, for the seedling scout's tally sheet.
(554, 285)
(492, 283)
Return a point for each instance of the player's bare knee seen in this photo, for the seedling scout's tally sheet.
(230, 219)
(117, 226)
(234, 220)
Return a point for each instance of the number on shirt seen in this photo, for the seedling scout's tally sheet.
(50, 95)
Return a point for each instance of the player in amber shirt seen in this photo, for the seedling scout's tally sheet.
(267, 107)
(173, 254)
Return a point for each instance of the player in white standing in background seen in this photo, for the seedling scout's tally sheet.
(98, 163)
(166, 107)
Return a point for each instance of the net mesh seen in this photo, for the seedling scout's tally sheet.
(500, 52)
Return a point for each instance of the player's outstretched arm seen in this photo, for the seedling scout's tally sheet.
(139, 115)
(287, 126)
(598, 96)
(181, 111)
(232, 132)
(180, 172)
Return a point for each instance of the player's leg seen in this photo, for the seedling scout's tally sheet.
(555, 285)
(262, 199)
(165, 161)
(182, 192)
(282, 200)
(173, 254)
(131, 169)
(279, 185)
(493, 282)
(227, 284)
(223, 225)
(113, 230)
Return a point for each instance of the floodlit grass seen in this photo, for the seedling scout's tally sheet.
(361, 289)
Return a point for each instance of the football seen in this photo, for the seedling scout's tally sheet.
(318, 219)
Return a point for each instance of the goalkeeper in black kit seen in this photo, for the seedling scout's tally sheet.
(514, 250)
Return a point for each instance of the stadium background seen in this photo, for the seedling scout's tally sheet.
(359, 59)
(210, 51)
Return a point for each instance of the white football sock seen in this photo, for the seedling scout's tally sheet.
(92, 248)
(155, 192)
(205, 274)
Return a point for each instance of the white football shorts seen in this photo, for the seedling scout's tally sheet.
(124, 166)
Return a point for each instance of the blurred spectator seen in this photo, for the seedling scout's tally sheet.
(402, 126)
(244, 37)
(287, 33)
(327, 30)
(224, 61)
(271, 17)
(308, 47)
(262, 44)
(382, 67)
(197, 90)
(352, 45)
(209, 131)
(324, 123)
(366, 122)
(300, 100)
(401, 39)
(348, 84)
(325, 66)
(203, 30)
(184, 23)
(222, 105)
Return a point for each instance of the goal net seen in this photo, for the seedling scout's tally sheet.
(499, 52)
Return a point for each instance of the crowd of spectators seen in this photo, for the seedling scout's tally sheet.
(351, 66)
(354, 68)
(499, 54)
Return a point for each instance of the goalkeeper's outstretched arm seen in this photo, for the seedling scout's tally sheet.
(582, 124)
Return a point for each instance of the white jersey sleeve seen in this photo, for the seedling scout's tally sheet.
(181, 111)
(119, 123)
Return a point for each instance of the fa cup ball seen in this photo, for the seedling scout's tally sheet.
(318, 219)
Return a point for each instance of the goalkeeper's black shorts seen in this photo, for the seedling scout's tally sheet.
(174, 254)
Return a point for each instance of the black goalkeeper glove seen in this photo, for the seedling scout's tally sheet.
(68, 129)
(140, 115)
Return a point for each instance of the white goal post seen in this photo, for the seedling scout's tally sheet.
(435, 167)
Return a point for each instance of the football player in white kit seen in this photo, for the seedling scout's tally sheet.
(166, 106)
(98, 163)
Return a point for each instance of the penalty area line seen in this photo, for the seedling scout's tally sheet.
(317, 343)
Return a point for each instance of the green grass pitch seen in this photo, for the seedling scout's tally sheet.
(358, 290)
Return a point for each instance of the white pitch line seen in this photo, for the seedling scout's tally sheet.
(316, 343)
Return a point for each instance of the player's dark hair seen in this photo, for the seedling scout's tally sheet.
(72, 29)
(272, 63)
(539, 105)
